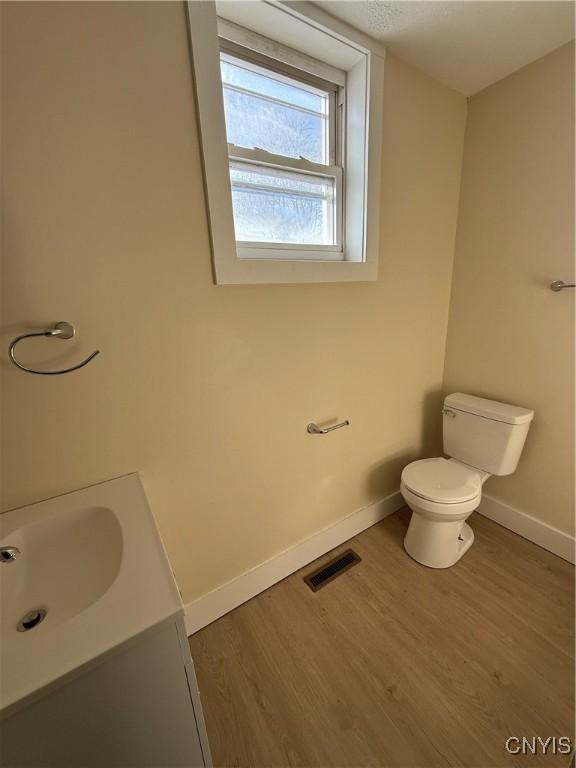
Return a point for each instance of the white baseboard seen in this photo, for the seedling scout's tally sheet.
(211, 606)
(528, 527)
(206, 609)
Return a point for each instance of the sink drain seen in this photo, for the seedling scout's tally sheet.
(31, 619)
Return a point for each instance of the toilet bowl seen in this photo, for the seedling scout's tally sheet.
(441, 493)
(482, 438)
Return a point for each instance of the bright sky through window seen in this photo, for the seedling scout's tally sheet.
(282, 127)
(265, 112)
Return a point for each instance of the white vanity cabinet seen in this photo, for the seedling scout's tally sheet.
(105, 679)
(137, 707)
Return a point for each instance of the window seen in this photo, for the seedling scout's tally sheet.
(284, 149)
(289, 106)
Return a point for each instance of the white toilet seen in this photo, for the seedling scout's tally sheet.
(483, 438)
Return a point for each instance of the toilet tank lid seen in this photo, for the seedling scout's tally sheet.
(489, 409)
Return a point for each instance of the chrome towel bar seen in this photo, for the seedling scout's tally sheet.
(558, 285)
(61, 330)
(314, 429)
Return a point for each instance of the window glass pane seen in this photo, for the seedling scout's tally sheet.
(264, 83)
(279, 206)
(275, 115)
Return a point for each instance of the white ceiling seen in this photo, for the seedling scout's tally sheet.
(465, 45)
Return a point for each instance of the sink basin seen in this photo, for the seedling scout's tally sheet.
(91, 575)
(69, 560)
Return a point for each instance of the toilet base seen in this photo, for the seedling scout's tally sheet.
(437, 544)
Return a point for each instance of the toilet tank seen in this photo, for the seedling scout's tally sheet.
(484, 433)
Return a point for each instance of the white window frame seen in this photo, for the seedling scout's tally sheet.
(325, 48)
(332, 170)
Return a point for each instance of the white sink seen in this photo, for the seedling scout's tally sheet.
(69, 560)
(91, 559)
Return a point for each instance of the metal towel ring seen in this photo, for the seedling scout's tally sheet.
(559, 285)
(61, 330)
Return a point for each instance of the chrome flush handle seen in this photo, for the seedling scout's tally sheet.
(449, 412)
(314, 429)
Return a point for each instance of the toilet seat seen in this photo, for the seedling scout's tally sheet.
(442, 481)
(436, 510)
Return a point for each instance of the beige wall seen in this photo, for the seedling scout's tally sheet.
(207, 390)
(510, 338)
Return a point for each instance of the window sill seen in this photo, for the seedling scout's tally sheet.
(280, 271)
(258, 253)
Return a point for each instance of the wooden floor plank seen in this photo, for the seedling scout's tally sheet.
(394, 664)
